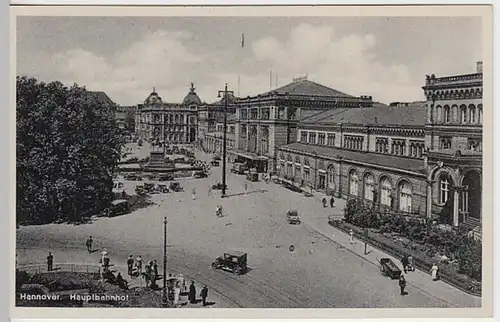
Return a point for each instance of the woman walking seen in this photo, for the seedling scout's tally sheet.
(434, 272)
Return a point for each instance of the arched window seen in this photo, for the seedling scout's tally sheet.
(480, 114)
(439, 113)
(463, 114)
(331, 176)
(297, 159)
(446, 114)
(385, 192)
(353, 183)
(369, 186)
(472, 114)
(306, 162)
(405, 197)
(282, 156)
(444, 188)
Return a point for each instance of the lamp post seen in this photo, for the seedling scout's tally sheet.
(225, 94)
(165, 295)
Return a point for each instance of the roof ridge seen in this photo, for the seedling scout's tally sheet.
(324, 86)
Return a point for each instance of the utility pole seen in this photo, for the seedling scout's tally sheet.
(165, 295)
(224, 94)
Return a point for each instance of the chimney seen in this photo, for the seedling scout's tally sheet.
(479, 67)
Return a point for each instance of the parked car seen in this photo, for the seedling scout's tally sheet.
(132, 177)
(292, 217)
(253, 176)
(119, 207)
(217, 186)
(234, 261)
(175, 186)
(239, 168)
(216, 158)
(292, 187)
(199, 174)
(215, 163)
(165, 177)
(162, 188)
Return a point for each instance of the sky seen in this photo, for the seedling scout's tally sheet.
(126, 57)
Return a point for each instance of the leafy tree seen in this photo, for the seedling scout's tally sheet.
(67, 150)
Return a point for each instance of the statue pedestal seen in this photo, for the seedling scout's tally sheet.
(156, 159)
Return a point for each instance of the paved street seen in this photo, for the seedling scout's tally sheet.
(322, 271)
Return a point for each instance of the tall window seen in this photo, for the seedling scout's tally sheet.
(369, 186)
(405, 197)
(331, 176)
(446, 114)
(312, 137)
(298, 170)
(321, 138)
(331, 139)
(463, 114)
(444, 189)
(303, 136)
(464, 200)
(474, 144)
(385, 192)
(353, 183)
(472, 114)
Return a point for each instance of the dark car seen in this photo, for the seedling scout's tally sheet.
(239, 168)
(235, 262)
(165, 177)
(291, 187)
(132, 177)
(292, 217)
(119, 207)
(175, 186)
(199, 174)
(218, 186)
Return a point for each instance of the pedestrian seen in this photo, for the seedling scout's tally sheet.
(402, 284)
(177, 294)
(155, 267)
(182, 282)
(88, 243)
(130, 264)
(405, 262)
(204, 295)
(138, 260)
(434, 272)
(351, 236)
(192, 293)
(194, 193)
(332, 202)
(323, 201)
(147, 274)
(50, 261)
(246, 188)
(209, 191)
(104, 253)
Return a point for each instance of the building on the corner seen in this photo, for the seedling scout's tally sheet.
(125, 117)
(421, 158)
(172, 123)
(211, 117)
(267, 121)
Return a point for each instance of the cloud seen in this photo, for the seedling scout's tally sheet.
(160, 59)
(347, 63)
(170, 60)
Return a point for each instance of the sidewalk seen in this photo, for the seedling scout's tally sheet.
(215, 299)
(318, 221)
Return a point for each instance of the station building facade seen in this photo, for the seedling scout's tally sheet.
(423, 158)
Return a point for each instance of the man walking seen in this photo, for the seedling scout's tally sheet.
(194, 193)
(50, 262)
(88, 243)
(204, 295)
(246, 188)
(130, 264)
(402, 284)
(405, 262)
(192, 293)
(138, 260)
(351, 236)
(332, 202)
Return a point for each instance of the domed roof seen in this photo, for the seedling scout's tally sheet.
(153, 98)
(191, 98)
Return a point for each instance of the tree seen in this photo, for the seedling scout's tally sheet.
(67, 150)
(130, 120)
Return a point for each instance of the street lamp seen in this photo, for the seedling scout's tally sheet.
(225, 94)
(165, 295)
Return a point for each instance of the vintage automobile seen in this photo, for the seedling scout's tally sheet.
(235, 262)
(388, 268)
(292, 217)
(253, 176)
(165, 177)
(239, 168)
(216, 158)
(140, 190)
(217, 186)
(162, 188)
(149, 186)
(117, 185)
(175, 186)
(132, 177)
(119, 207)
(199, 174)
(291, 187)
(215, 163)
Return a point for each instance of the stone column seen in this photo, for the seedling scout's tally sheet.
(429, 200)
(455, 206)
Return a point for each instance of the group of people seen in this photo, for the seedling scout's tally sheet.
(327, 199)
